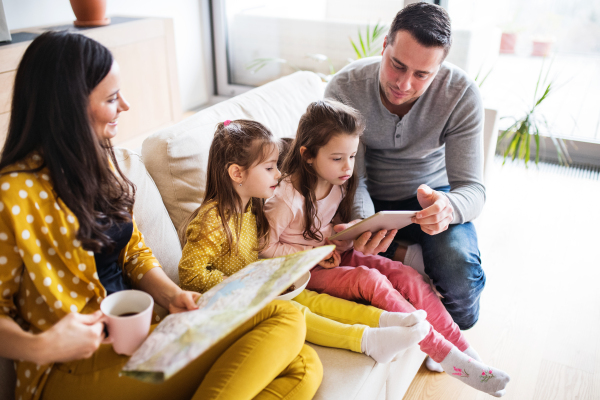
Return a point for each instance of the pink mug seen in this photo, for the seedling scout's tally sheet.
(127, 315)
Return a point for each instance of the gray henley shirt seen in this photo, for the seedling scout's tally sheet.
(438, 142)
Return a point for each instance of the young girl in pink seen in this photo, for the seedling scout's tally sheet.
(316, 191)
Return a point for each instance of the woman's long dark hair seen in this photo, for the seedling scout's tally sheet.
(245, 143)
(50, 102)
(322, 120)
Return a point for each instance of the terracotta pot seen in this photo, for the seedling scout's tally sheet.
(90, 12)
(541, 49)
(508, 42)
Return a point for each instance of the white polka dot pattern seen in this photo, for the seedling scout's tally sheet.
(205, 258)
(45, 272)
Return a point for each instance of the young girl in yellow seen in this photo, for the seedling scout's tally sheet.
(222, 236)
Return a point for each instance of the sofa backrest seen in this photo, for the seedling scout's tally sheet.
(150, 213)
(176, 157)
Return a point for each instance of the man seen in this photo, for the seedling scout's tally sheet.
(422, 150)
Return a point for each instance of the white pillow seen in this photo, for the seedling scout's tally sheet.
(150, 213)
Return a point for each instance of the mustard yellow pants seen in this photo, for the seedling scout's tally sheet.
(335, 322)
(265, 358)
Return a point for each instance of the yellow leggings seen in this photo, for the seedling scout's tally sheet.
(334, 322)
(265, 358)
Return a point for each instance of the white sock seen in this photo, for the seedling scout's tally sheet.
(470, 351)
(437, 367)
(389, 319)
(474, 373)
(432, 365)
(382, 344)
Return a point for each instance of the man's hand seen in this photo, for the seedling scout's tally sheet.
(369, 243)
(437, 211)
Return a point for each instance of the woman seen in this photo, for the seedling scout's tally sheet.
(67, 240)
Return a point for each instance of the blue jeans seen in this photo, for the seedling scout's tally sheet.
(452, 261)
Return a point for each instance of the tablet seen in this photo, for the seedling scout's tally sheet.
(387, 220)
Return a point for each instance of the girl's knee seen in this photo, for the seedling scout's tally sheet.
(314, 372)
(363, 272)
(288, 314)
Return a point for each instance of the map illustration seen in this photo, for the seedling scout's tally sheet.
(181, 338)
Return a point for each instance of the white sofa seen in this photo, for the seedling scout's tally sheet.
(176, 159)
(170, 180)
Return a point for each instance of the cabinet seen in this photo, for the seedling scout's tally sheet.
(145, 51)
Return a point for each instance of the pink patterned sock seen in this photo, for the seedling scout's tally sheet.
(474, 373)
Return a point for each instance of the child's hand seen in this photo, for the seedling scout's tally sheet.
(341, 245)
(183, 301)
(333, 260)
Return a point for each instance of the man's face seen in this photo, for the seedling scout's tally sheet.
(407, 70)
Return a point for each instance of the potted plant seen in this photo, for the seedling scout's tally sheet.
(518, 135)
(370, 46)
(510, 34)
(508, 42)
(545, 33)
(89, 13)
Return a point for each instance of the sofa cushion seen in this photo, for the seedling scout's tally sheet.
(349, 376)
(150, 213)
(177, 156)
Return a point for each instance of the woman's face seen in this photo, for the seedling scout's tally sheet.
(106, 103)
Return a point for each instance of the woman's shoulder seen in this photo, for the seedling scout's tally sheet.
(25, 180)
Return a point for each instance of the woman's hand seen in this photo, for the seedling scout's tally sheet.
(183, 301)
(333, 260)
(74, 337)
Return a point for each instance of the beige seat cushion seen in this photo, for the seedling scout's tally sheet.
(150, 213)
(349, 376)
(177, 156)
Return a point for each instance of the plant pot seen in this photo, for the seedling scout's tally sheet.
(541, 48)
(89, 12)
(508, 42)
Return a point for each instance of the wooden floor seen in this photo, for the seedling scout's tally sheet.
(540, 310)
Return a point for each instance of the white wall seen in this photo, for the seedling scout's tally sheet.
(192, 65)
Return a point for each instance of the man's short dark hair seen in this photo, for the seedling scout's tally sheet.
(427, 23)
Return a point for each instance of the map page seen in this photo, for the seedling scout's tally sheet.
(180, 338)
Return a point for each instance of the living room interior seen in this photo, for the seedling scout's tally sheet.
(188, 64)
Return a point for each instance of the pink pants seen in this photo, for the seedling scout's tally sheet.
(391, 286)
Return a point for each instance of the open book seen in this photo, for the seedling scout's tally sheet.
(180, 338)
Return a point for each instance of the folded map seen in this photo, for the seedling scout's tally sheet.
(181, 338)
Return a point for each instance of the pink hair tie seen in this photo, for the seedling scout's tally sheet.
(226, 123)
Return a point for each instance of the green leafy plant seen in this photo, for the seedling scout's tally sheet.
(370, 46)
(367, 46)
(479, 79)
(519, 134)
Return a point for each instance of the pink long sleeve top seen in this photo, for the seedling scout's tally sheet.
(285, 212)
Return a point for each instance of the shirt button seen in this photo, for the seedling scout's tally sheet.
(397, 136)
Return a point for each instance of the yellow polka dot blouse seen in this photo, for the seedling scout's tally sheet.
(44, 271)
(205, 259)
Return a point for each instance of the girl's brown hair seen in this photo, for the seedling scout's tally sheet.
(322, 120)
(245, 143)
